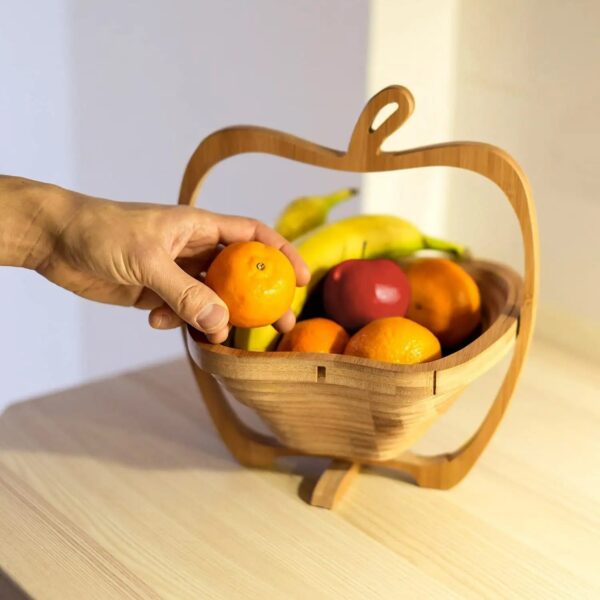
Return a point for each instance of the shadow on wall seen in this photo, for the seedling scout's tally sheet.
(119, 421)
(139, 420)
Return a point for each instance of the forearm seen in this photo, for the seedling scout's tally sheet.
(32, 214)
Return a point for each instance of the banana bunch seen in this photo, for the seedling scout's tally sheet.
(307, 213)
(361, 236)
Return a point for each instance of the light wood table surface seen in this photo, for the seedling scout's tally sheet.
(121, 489)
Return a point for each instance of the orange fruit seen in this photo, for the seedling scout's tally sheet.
(315, 335)
(256, 281)
(396, 340)
(444, 298)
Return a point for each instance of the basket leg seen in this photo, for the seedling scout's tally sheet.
(249, 447)
(333, 483)
(446, 470)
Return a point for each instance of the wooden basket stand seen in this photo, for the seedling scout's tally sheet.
(353, 410)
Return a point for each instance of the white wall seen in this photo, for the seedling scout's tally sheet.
(111, 98)
(523, 76)
(40, 324)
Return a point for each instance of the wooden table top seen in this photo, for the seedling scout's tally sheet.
(121, 489)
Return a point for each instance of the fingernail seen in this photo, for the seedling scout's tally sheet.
(210, 317)
(158, 320)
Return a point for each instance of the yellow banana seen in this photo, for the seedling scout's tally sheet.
(307, 213)
(361, 236)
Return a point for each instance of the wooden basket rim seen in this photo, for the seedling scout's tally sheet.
(498, 328)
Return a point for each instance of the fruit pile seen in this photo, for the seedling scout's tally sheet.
(368, 295)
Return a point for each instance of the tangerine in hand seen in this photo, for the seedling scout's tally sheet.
(256, 281)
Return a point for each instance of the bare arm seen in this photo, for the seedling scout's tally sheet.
(131, 254)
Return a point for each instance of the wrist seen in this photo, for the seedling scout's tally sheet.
(32, 215)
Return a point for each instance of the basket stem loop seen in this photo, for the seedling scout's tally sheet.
(366, 140)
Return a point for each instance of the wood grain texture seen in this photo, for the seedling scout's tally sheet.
(123, 489)
(364, 154)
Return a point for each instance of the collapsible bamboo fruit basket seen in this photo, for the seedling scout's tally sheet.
(354, 410)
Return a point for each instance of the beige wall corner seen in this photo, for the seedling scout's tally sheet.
(520, 75)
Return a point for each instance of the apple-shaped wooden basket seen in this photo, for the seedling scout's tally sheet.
(358, 411)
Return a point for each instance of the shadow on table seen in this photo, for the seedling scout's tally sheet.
(149, 419)
(9, 590)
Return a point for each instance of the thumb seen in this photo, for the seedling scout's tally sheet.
(193, 301)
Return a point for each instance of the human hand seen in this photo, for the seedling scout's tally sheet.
(150, 256)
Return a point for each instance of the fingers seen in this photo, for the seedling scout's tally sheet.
(197, 263)
(270, 237)
(219, 337)
(148, 299)
(286, 322)
(163, 317)
(240, 229)
(191, 300)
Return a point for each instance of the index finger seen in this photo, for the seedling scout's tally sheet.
(241, 229)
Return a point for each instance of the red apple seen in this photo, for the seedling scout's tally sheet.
(359, 291)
